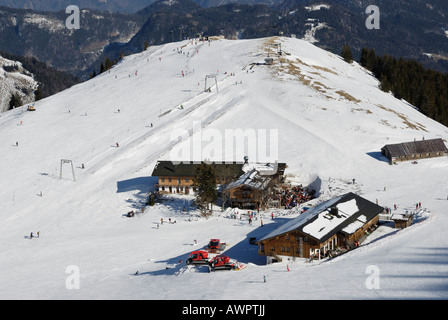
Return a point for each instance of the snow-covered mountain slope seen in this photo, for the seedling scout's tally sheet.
(14, 79)
(331, 121)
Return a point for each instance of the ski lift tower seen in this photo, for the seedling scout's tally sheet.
(211, 76)
(63, 161)
(279, 48)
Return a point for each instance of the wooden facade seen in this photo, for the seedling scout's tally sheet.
(178, 177)
(251, 189)
(358, 235)
(322, 229)
(415, 150)
(296, 244)
(245, 197)
(175, 184)
(402, 221)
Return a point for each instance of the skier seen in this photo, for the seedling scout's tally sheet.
(117, 145)
(31, 235)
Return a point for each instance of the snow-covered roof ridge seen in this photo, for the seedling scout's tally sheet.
(320, 222)
(252, 179)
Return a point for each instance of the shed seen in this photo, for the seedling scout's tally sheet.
(414, 150)
(402, 220)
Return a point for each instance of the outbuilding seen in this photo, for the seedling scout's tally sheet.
(414, 150)
(402, 220)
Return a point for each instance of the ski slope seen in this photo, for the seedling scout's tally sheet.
(331, 121)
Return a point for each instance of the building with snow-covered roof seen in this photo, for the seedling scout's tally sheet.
(251, 189)
(339, 222)
(402, 220)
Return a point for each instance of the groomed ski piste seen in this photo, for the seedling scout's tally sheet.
(331, 120)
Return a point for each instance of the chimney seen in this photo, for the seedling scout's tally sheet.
(334, 211)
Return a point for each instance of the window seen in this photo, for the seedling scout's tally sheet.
(169, 179)
(163, 179)
(178, 180)
(186, 180)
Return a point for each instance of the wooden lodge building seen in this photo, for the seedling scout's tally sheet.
(252, 189)
(414, 150)
(339, 222)
(178, 177)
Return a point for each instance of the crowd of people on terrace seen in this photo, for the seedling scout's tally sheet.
(291, 197)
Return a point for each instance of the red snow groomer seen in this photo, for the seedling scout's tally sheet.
(215, 246)
(221, 262)
(198, 257)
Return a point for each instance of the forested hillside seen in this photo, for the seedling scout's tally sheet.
(409, 80)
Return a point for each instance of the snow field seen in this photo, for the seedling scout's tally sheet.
(322, 134)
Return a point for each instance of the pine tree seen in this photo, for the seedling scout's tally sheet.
(15, 102)
(108, 64)
(205, 184)
(347, 54)
(38, 94)
(363, 59)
